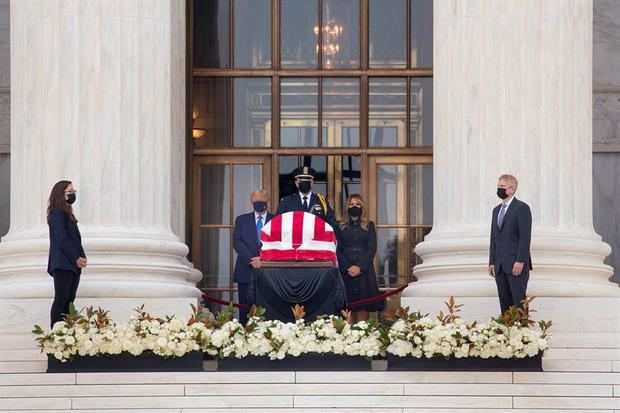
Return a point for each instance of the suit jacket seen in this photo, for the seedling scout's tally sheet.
(246, 244)
(511, 242)
(65, 243)
(293, 202)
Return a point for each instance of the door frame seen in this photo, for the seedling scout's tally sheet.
(196, 202)
(373, 162)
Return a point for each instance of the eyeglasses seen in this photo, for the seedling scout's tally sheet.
(71, 192)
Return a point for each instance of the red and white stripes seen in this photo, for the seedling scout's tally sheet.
(298, 236)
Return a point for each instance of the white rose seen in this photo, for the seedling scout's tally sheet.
(162, 341)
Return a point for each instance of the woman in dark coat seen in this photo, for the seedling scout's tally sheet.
(357, 245)
(66, 256)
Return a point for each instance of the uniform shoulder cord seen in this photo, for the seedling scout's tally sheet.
(323, 202)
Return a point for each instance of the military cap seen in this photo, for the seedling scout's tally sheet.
(304, 172)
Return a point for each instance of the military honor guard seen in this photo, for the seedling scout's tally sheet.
(306, 200)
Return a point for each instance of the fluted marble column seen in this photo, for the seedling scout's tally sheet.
(98, 97)
(513, 94)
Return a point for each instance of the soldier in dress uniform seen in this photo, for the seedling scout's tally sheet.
(306, 200)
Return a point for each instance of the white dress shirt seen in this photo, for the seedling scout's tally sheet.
(507, 203)
(256, 215)
(308, 195)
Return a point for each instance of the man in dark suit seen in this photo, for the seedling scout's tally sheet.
(511, 232)
(306, 200)
(246, 242)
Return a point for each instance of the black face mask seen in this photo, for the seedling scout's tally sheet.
(71, 198)
(501, 192)
(259, 206)
(355, 211)
(305, 186)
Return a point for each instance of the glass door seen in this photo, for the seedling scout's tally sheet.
(402, 208)
(221, 191)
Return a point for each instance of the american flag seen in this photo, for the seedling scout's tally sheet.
(298, 236)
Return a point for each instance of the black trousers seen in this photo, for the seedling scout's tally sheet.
(511, 289)
(65, 287)
(243, 299)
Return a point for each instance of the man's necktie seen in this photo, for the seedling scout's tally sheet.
(502, 212)
(259, 226)
(305, 203)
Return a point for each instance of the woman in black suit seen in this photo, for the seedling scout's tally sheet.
(66, 256)
(357, 245)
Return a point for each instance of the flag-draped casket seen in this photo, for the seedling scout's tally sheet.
(298, 236)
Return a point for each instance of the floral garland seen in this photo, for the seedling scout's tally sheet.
(401, 334)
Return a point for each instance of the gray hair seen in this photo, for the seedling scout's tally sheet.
(511, 179)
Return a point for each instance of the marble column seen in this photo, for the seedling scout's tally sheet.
(98, 97)
(513, 94)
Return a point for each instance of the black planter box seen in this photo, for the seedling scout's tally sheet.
(305, 362)
(396, 363)
(125, 362)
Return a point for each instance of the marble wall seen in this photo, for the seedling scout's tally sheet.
(606, 126)
(5, 124)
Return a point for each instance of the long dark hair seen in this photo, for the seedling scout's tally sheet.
(57, 200)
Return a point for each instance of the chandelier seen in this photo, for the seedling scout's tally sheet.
(331, 33)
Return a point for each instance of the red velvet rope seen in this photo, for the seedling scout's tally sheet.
(354, 304)
(206, 297)
(377, 298)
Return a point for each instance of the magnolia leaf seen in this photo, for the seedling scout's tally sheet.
(72, 310)
(390, 315)
(298, 312)
(256, 311)
(347, 315)
(402, 312)
(339, 324)
(139, 310)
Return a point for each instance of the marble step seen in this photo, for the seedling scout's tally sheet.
(312, 410)
(271, 401)
(23, 366)
(383, 389)
(583, 354)
(17, 341)
(32, 379)
(578, 365)
(318, 402)
(22, 355)
(311, 392)
(335, 378)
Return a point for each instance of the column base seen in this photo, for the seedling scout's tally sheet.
(120, 264)
(565, 265)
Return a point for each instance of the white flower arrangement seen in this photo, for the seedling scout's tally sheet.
(414, 335)
(509, 336)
